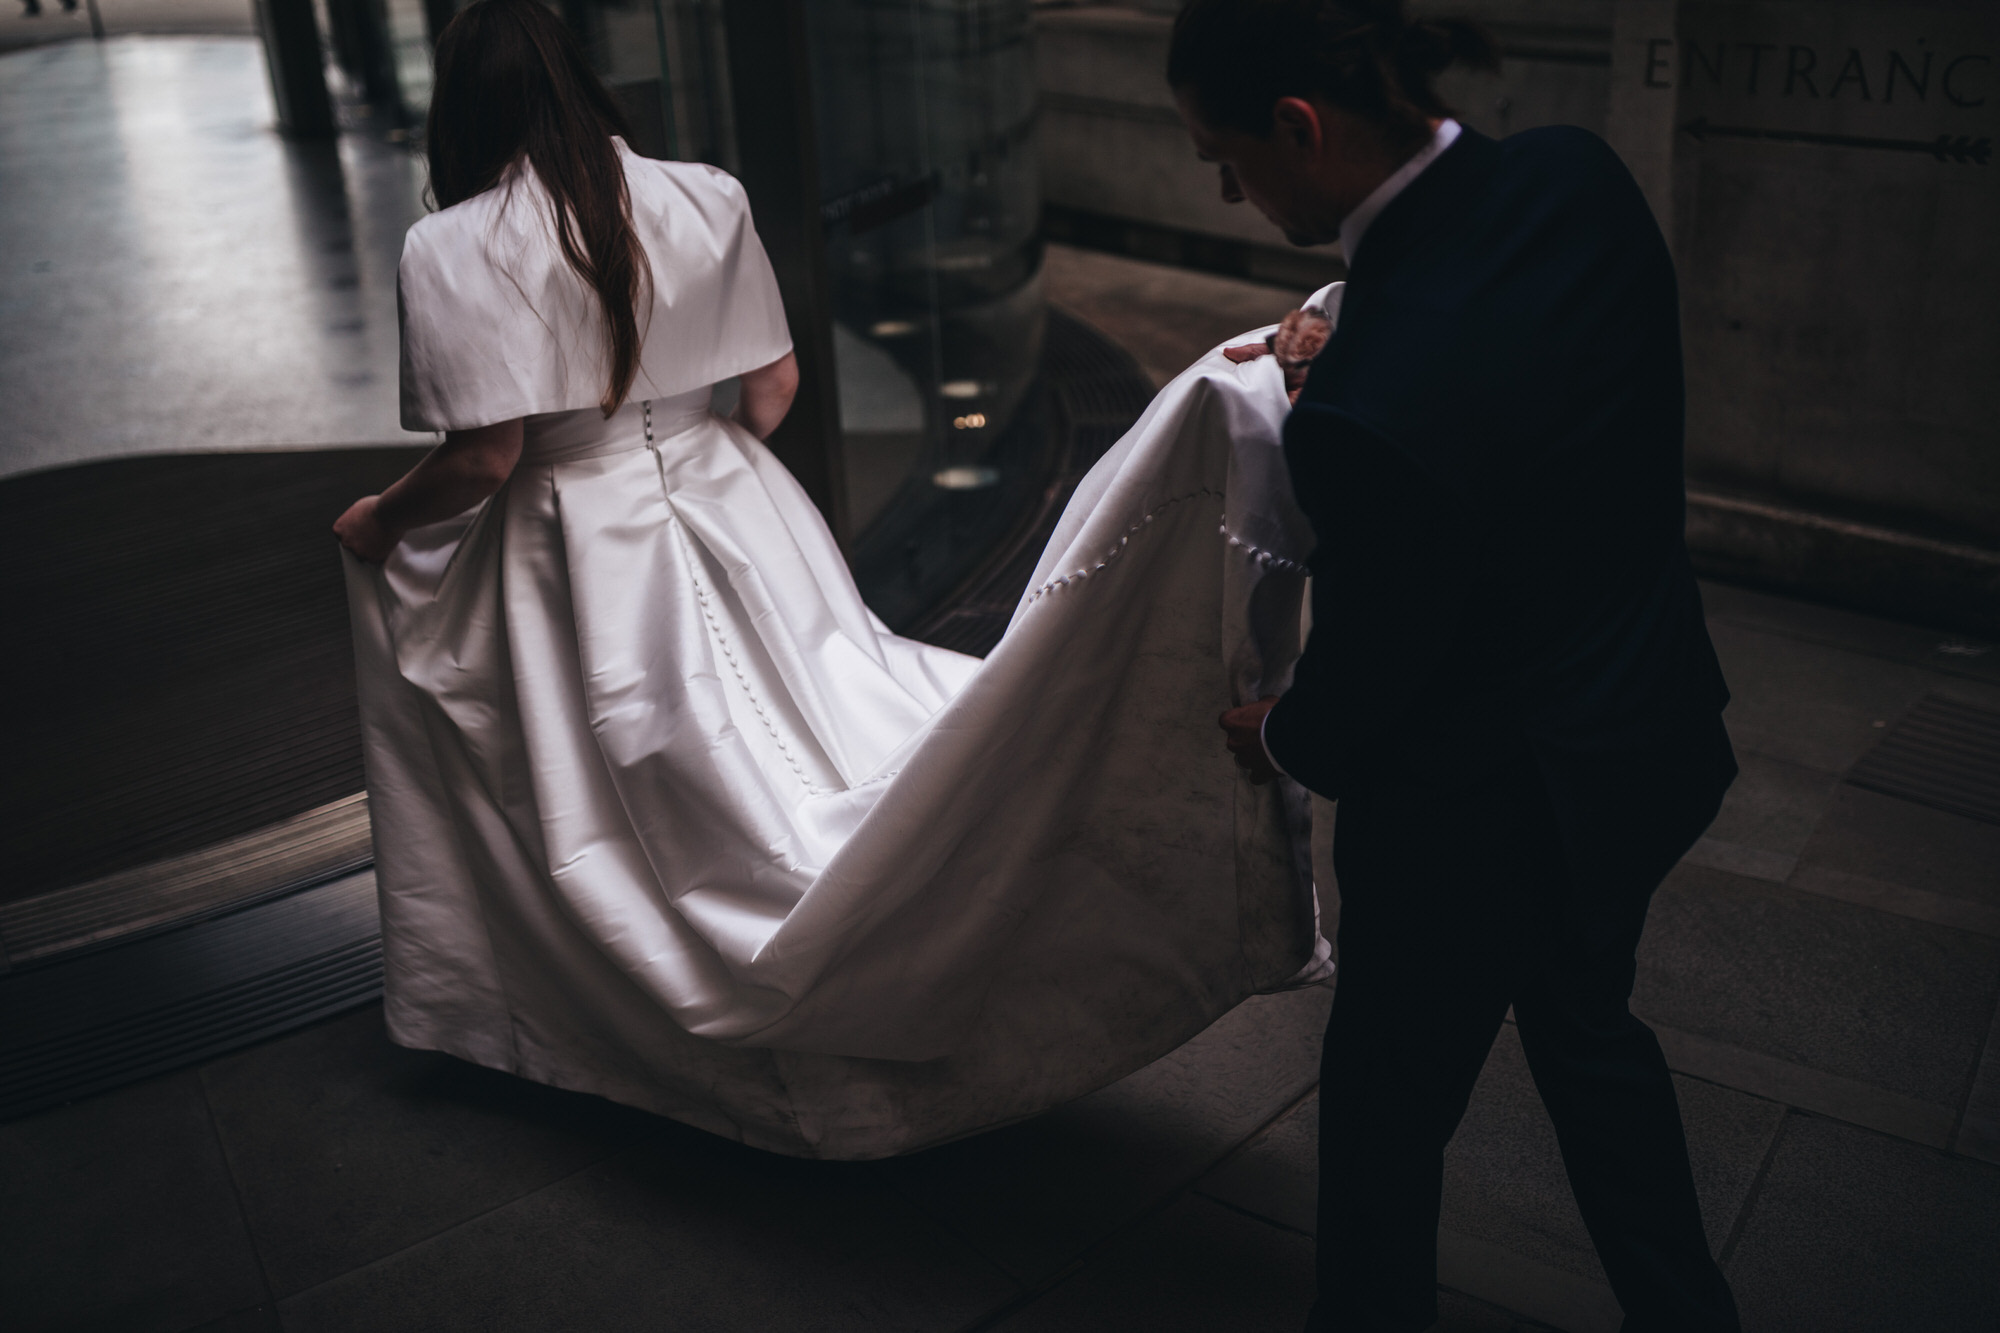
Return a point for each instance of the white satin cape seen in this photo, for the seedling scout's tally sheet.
(497, 326)
(662, 812)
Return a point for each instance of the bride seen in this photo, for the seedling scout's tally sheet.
(662, 812)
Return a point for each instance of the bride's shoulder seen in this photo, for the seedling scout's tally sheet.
(681, 184)
(474, 224)
(687, 209)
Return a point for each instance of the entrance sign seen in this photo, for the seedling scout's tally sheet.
(1826, 176)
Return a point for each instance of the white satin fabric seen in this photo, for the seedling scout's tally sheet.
(662, 811)
(496, 324)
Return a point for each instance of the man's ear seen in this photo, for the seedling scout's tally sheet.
(1296, 122)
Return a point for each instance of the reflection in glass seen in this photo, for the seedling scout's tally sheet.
(925, 113)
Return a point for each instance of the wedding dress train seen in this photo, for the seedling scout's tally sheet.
(664, 813)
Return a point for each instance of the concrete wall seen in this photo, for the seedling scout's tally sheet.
(1111, 141)
(1826, 175)
(1842, 300)
(1113, 145)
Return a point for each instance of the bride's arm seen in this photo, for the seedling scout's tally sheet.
(469, 466)
(767, 396)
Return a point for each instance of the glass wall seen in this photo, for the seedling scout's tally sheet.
(925, 112)
(924, 116)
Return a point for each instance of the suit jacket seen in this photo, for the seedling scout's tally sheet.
(1490, 452)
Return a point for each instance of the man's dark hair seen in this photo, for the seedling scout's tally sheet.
(1235, 58)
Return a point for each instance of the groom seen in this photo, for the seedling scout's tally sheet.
(1509, 685)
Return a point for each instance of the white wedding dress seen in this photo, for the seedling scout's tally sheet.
(663, 812)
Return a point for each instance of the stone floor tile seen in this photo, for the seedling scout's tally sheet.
(1886, 1000)
(1807, 703)
(1804, 1088)
(117, 1214)
(1503, 1176)
(1035, 1195)
(1773, 806)
(1729, 1135)
(256, 1319)
(1504, 1278)
(1504, 1179)
(348, 1148)
(1202, 1267)
(1915, 645)
(1906, 843)
(1277, 1176)
(1198, 1267)
(1982, 692)
(1459, 1313)
(1852, 1232)
(1276, 1179)
(685, 1232)
(1979, 1124)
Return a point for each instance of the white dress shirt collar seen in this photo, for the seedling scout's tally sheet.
(1355, 224)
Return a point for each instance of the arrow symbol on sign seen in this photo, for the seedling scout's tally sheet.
(1962, 149)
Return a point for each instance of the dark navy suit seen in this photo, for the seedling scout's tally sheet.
(1510, 689)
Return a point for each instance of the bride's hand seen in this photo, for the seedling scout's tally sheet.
(361, 532)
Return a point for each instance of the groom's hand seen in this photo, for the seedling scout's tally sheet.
(1244, 728)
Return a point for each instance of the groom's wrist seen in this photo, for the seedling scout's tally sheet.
(1264, 739)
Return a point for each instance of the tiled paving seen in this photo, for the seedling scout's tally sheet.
(1824, 969)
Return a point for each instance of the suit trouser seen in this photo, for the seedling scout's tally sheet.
(1454, 907)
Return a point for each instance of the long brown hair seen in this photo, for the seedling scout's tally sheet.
(1236, 58)
(511, 84)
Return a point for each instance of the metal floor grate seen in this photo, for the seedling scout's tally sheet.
(1943, 754)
